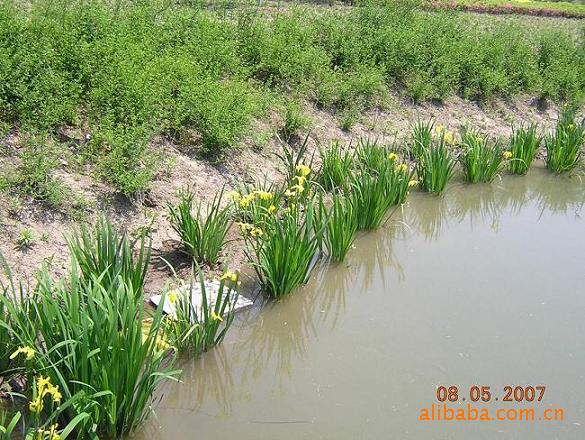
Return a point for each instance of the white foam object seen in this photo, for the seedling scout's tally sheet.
(211, 291)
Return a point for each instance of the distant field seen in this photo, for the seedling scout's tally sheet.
(545, 8)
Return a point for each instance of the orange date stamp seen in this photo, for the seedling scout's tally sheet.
(476, 393)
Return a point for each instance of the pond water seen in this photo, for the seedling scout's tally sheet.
(484, 286)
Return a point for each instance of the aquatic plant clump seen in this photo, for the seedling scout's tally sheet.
(341, 224)
(435, 166)
(422, 137)
(370, 197)
(85, 336)
(524, 144)
(563, 146)
(103, 252)
(480, 160)
(254, 202)
(336, 166)
(203, 236)
(283, 249)
(196, 329)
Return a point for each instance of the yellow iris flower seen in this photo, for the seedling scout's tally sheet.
(229, 275)
(28, 352)
(303, 170)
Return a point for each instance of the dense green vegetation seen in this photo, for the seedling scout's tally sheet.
(90, 356)
(124, 73)
(86, 347)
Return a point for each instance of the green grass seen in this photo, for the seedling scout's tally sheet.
(573, 8)
(564, 145)
(128, 73)
(203, 235)
(480, 160)
(524, 144)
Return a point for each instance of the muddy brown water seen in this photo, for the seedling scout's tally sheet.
(484, 286)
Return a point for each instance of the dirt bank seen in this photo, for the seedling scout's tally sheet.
(253, 159)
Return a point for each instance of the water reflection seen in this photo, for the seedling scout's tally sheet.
(563, 199)
(277, 355)
(428, 217)
(486, 203)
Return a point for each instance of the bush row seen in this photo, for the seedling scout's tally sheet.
(127, 72)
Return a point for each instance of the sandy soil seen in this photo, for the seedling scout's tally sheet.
(247, 162)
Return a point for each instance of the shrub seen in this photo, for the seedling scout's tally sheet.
(203, 237)
(33, 176)
(563, 146)
(524, 144)
(481, 161)
(557, 54)
(348, 118)
(120, 155)
(134, 70)
(294, 120)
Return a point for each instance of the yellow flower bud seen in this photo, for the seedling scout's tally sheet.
(303, 170)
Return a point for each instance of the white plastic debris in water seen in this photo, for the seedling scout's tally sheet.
(211, 292)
